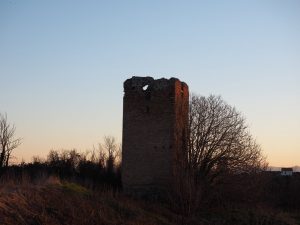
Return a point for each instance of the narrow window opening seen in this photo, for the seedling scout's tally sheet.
(147, 109)
(145, 87)
(148, 95)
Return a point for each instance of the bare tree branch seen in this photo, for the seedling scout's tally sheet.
(219, 140)
(7, 141)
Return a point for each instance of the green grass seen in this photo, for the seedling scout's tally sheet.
(75, 188)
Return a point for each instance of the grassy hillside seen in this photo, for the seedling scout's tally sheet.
(50, 201)
(55, 202)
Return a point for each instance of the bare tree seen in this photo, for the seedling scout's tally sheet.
(110, 146)
(111, 149)
(8, 142)
(219, 147)
(219, 140)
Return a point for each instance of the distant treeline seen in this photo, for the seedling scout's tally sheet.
(97, 171)
(98, 168)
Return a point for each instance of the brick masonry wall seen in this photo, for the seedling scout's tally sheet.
(154, 131)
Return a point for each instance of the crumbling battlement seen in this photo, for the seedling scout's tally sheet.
(137, 83)
(155, 120)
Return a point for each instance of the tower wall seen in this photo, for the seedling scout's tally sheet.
(155, 120)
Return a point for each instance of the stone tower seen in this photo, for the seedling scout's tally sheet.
(155, 120)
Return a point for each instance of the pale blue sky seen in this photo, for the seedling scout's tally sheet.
(63, 63)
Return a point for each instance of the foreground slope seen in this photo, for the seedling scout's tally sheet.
(68, 203)
(52, 202)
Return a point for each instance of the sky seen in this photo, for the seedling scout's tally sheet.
(63, 64)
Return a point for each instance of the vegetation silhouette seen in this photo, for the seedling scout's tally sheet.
(93, 169)
(224, 180)
(8, 142)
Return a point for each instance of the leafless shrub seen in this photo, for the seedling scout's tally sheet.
(8, 142)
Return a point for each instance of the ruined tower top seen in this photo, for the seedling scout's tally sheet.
(155, 120)
(143, 83)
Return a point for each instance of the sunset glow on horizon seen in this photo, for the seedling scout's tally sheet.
(63, 64)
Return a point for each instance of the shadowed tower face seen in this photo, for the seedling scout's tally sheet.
(155, 120)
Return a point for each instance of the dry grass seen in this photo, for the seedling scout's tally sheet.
(49, 201)
(55, 202)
